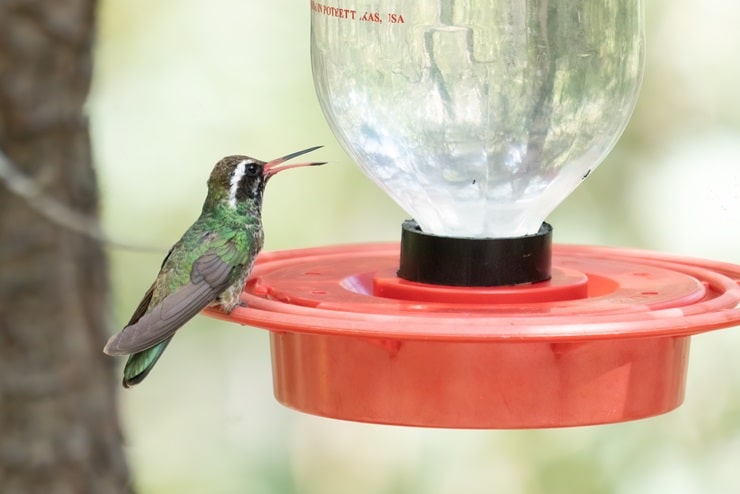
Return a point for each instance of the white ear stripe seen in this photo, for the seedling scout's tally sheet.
(239, 171)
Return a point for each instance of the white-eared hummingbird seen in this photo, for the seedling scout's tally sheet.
(208, 266)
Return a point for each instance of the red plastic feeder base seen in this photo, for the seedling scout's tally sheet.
(605, 340)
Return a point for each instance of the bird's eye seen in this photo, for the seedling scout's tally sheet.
(252, 170)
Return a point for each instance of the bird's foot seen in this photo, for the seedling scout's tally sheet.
(240, 303)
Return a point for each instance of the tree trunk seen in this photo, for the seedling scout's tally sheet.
(58, 421)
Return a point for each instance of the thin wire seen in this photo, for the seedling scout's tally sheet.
(55, 211)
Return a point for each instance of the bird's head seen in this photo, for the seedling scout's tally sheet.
(241, 180)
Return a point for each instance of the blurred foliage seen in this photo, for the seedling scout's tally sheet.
(179, 83)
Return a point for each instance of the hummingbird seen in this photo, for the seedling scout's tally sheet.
(208, 266)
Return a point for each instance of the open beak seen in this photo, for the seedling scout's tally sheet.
(271, 167)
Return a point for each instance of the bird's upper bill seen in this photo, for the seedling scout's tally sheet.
(271, 167)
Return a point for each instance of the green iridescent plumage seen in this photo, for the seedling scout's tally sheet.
(207, 266)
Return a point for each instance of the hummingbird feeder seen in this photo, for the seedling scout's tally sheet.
(478, 118)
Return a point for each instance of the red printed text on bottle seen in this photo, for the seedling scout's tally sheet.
(357, 15)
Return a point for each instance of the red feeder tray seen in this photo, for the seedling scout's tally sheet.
(605, 340)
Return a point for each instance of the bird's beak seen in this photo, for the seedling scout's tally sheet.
(271, 167)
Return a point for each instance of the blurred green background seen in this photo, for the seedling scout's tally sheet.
(181, 83)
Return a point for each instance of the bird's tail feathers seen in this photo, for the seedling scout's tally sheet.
(140, 364)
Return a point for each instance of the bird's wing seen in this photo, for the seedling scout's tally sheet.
(209, 277)
(147, 299)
